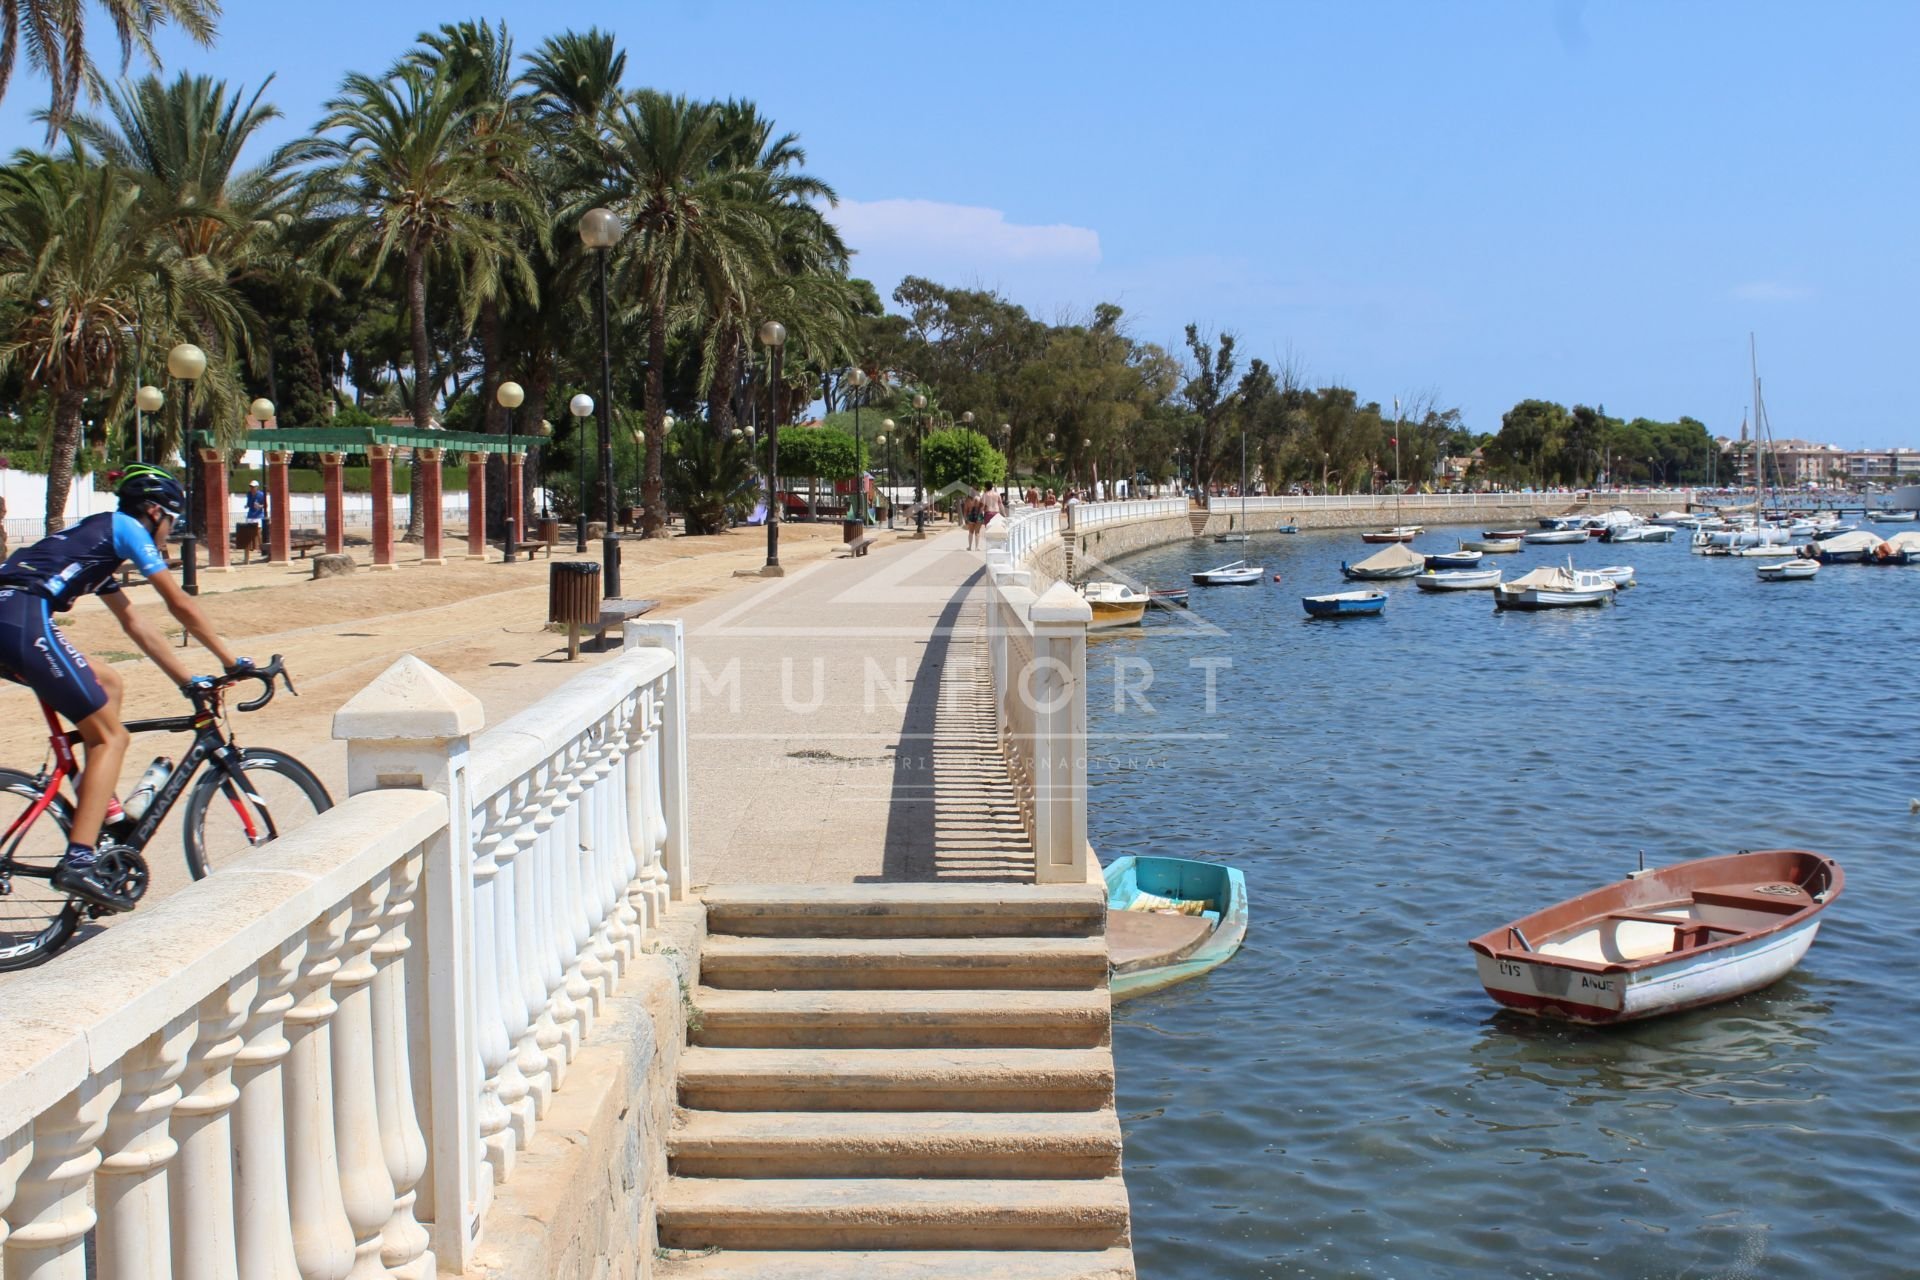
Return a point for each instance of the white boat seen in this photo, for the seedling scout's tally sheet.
(1464, 558)
(1904, 547)
(1114, 605)
(1554, 587)
(1493, 546)
(1399, 533)
(1843, 548)
(1555, 537)
(1232, 537)
(1395, 561)
(1640, 533)
(1769, 551)
(1896, 517)
(1237, 574)
(1457, 579)
(1787, 570)
(1678, 520)
(1620, 575)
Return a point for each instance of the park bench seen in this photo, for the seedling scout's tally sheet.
(861, 545)
(534, 548)
(615, 612)
(303, 545)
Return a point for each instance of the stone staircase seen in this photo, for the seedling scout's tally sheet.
(1198, 521)
(898, 1082)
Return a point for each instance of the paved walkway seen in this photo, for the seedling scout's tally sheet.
(842, 726)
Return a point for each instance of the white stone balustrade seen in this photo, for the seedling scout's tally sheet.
(318, 1063)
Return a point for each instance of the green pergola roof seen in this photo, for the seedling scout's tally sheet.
(357, 440)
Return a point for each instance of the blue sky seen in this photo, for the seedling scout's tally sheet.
(1482, 201)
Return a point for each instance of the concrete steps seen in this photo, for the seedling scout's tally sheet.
(1197, 520)
(898, 1082)
(875, 1019)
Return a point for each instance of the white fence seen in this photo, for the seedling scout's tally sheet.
(1427, 501)
(1025, 534)
(319, 1061)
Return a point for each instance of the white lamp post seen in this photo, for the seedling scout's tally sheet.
(187, 362)
(509, 395)
(600, 230)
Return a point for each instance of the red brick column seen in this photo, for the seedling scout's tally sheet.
(380, 456)
(279, 507)
(430, 480)
(213, 493)
(476, 506)
(517, 494)
(333, 467)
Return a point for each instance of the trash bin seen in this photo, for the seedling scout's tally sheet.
(548, 530)
(573, 598)
(852, 530)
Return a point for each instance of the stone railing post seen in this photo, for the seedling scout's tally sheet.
(50, 1214)
(204, 1241)
(997, 624)
(675, 805)
(16, 1149)
(264, 1241)
(322, 1236)
(404, 1248)
(413, 728)
(366, 1190)
(1058, 687)
(130, 1189)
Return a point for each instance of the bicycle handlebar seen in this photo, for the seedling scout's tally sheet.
(265, 675)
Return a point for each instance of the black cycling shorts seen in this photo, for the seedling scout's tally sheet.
(37, 654)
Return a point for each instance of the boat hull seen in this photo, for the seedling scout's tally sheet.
(1111, 617)
(1555, 537)
(1494, 546)
(1533, 600)
(1352, 574)
(1175, 878)
(1235, 578)
(1458, 580)
(1345, 606)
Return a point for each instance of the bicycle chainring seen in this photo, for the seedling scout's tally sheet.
(126, 871)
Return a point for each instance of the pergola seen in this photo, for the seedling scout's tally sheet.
(333, 444)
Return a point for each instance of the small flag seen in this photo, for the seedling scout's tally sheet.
(1393, 439)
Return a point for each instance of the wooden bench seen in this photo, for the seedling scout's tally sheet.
(532, 549)
(861, 545)
(303, 545)
(615, 612)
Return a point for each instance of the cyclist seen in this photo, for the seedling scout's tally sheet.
(46, 578)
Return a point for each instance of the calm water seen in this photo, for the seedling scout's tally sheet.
(1342, 1099)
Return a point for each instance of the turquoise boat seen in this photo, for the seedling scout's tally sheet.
(1170, 919)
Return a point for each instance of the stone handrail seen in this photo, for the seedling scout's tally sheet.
(1418, 501)
(1027, 533)
(320, 1061)
(1037, 648)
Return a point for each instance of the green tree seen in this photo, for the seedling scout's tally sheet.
(955, 456)
(1530, 438)
(1211, 397)
(710, 477)
(53, 33)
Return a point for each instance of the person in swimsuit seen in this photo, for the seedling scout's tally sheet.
(46, 578)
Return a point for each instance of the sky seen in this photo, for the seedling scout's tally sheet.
(1480, 202)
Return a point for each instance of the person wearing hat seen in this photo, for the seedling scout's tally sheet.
(256, 516)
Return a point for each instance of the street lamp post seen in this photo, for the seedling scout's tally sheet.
(773, 336)
(146, 400)
(508, 396)
(857, 379)
(967, 419)
(640, 455)
(600, 230)
(187, 362)
(581, 407)
(1006, 447)
(919, 466)
(886, 441)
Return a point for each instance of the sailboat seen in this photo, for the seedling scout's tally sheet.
(1760, 536)
(1399, 532)
(1239, 573)
(1240, 534)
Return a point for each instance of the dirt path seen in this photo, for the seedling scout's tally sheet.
(481, 624)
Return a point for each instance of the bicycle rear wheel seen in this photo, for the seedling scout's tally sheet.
(36, 919)
(279, 795)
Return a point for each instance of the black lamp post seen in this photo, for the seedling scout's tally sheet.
(581, 407)
(773, 336)
(146, 400)
(919, 466)
(600, 230)
(885, 441)
(857, 379)
(187, 362)
(509, 395)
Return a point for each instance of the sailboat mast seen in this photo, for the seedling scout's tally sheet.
(1243, 475)
(1759, 437)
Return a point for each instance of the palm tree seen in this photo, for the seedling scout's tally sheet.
(692, 231)
(407, 178)
(54, 34)
(79, 260)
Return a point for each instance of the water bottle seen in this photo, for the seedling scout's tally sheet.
(157, 772)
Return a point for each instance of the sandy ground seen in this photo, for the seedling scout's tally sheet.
(480, 623)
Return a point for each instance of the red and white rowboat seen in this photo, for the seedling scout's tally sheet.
(1662, 940)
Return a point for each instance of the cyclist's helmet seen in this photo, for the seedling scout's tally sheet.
(143, 484)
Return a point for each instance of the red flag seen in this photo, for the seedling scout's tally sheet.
(1393, 439)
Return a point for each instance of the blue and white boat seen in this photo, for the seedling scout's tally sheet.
(1170, 919)
(1346, 604)
(1464, 558)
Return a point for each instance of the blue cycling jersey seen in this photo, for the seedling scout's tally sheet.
(81, 559)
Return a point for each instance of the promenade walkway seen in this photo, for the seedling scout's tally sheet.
(841, 725)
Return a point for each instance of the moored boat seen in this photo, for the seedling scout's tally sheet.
(1620, 575)
(1399, 533)
(1787, 570)
(1638, 533)
(1237, 574)
(1494, 546)
(1850, 547)
(1167, 597)
(1457, 579)
(1114, 605)
(1392, 562)
(1170, 919)
(1511, 535)
(1346, 604)
(1465, 558)
(1555, 537)
(1554, 587)
(1895, 517)
(1662, 940)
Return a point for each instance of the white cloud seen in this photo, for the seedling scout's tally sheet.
(1770, 291)
(951, 234)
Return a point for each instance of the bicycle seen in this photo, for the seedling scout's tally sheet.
(34, 925)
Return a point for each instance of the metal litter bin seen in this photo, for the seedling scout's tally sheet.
(573, 598)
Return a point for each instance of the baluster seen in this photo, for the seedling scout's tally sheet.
(619, 826)
(50, 1215)
(602, 891)
(322, 1236)
(16, 1149)
(659, 890)
(365, 1187)
(600, 965)
(404, 1242)
(130, 1189)
(490, 1034)
(514, 1092)
(264, 1243)
(583, 971)
(557, 1028)
(639, 833)
(530, 1053)
(204, 1239)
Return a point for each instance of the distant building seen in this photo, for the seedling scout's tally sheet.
(1803, 462)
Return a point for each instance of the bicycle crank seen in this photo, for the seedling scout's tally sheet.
(126, 871)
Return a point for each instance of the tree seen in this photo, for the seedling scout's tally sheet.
(407, 180)
(711, 477)
(1210, 396)
(1530, 437)
(956, 456)
(54, 35)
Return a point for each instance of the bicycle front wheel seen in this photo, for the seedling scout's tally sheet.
(231, 815)
(36, 919)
